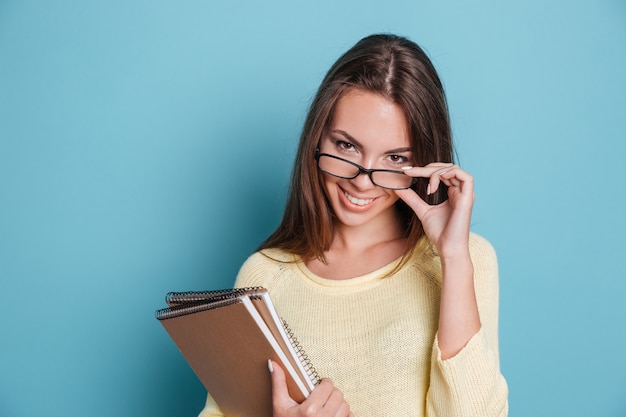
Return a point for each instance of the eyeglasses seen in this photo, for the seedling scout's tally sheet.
(342, 168)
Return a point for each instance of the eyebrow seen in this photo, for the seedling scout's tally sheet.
(358, 144)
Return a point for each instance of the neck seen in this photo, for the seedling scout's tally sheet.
(358, 250)
(368, 235)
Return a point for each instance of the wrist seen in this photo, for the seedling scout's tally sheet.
(459, 265)
(453, 255)
(453, 249)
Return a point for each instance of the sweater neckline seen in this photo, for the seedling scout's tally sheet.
(376, 275)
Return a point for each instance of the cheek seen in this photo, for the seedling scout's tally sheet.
(329, 183)
(393, 198)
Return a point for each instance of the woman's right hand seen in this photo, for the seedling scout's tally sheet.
(325, 400)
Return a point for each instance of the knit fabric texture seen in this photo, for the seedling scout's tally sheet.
(375, 335)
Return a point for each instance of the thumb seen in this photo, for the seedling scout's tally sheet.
(280, 394)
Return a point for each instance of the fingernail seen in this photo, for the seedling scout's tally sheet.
(428, 190)
(270, 366)
(406, 168)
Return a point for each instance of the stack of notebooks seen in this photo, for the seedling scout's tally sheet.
(227, 337)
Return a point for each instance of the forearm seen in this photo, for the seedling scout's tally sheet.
(465, 375)
(459, 319)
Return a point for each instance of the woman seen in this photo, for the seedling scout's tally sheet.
(373, 265)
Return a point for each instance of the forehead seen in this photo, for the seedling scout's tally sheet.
(372, 120)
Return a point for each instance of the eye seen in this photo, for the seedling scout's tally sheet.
(398, 159)
(344, 146)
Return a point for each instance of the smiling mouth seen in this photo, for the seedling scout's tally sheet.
(358, 201)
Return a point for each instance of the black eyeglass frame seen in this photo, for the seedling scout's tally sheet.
(363, 170)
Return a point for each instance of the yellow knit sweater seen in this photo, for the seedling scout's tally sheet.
(375, 336)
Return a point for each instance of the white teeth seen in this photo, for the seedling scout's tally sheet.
(357, 201)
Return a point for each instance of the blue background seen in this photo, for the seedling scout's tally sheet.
(145, 146)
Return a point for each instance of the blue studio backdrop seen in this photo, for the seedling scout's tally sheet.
(146, 146)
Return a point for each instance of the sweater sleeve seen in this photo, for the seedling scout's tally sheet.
(470, 383)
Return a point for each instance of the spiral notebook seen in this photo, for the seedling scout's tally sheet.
(227, 336)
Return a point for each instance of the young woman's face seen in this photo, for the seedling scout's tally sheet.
(370, 131)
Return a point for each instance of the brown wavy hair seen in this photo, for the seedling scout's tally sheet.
(401, 72)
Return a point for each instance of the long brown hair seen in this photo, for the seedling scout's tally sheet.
(400, 71)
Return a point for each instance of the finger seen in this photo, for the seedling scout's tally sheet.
(334, 400)
(436, 179)
(454, 172)
(326, 400)
(343, 411)
(280, 394)
(456, 177)
(336, 405)
(452, 182)
(432, 171)
(461, 191)
(426, 171)
(319, 396)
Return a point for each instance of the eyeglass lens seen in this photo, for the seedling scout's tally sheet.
(346, 169)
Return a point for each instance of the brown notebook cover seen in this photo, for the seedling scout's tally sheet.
(227, 340)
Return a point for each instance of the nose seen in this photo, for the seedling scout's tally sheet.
(363, 180)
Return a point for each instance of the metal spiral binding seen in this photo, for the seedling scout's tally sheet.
(302, 356)
(190, 308)
(176, 298)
